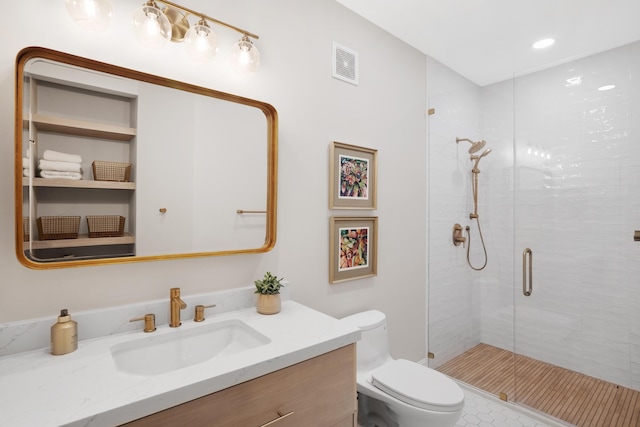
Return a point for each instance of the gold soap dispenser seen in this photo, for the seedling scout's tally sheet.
(64, 334)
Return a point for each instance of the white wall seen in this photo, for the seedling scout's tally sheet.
(386, 111)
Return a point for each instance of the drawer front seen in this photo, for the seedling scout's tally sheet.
(318, 392)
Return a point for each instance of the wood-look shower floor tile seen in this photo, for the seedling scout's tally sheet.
(566, 395)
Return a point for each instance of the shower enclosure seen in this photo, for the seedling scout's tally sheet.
(563, 180)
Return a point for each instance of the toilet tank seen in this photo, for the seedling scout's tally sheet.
(373, 347)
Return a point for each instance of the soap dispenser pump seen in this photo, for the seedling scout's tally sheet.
(64, 334)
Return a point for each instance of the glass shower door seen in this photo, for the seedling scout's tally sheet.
(577, 192)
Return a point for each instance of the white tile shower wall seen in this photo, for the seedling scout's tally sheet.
(495, 210)
(454, 309)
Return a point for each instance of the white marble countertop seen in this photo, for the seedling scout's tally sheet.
(84, 388)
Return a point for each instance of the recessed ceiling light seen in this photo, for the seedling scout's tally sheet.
(541, 44)
(606, 87)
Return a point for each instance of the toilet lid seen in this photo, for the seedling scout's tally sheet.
(365, 320)
(419, 386)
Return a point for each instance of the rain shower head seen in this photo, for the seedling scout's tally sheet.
(475, 145)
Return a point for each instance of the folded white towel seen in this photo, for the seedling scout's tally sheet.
(26, 162)
(58, 174)
(48, 165)
(57, 156)
(25, 172)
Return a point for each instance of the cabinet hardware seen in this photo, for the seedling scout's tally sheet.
(163, 210)
(241, 211)
(281, 416)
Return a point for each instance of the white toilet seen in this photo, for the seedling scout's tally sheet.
(399, 393)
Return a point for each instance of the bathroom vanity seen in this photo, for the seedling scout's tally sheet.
(317, 392)
(290, 369)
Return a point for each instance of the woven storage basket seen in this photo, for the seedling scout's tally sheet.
(25, 228)
(58, 227)
(111, 171)
(105, 225)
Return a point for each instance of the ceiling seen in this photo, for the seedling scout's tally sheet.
(488, 41)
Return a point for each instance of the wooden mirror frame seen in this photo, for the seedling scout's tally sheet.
(269, 111)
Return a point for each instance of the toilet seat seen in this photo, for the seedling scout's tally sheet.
(419, 386)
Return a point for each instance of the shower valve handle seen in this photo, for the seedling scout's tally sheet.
(457, 235)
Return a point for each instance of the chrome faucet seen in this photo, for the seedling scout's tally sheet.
(176, 305)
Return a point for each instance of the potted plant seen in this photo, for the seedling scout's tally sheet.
(268, 290)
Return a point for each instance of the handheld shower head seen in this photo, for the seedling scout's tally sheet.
(475, 145)
(477, 159)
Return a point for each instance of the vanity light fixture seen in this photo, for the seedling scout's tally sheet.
(158, 21)
(245, 56)
(151, 26)
(154, 26)
(93, 15)
(201, 42)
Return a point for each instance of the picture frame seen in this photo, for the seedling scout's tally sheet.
(353, 248)
(353, 177)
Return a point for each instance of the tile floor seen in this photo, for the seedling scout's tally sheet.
(482, 410)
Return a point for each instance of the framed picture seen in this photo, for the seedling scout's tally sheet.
(352, 177)
(353, 248)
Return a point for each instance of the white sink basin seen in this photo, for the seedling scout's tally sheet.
(179, 348)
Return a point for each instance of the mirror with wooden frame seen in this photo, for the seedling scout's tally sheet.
(114, 165)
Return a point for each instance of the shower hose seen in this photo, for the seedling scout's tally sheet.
(474, 185)
(484, 248)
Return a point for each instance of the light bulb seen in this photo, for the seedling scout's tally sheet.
(93, 15)
(151, 26)
(245, 56)
(201, 43)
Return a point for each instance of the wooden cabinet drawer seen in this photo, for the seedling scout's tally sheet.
(318, 392)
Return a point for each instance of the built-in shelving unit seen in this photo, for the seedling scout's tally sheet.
(67, 183)
(83, 240)
(47, 123)
(93, 122)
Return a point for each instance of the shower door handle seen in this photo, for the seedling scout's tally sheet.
(527, 267)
